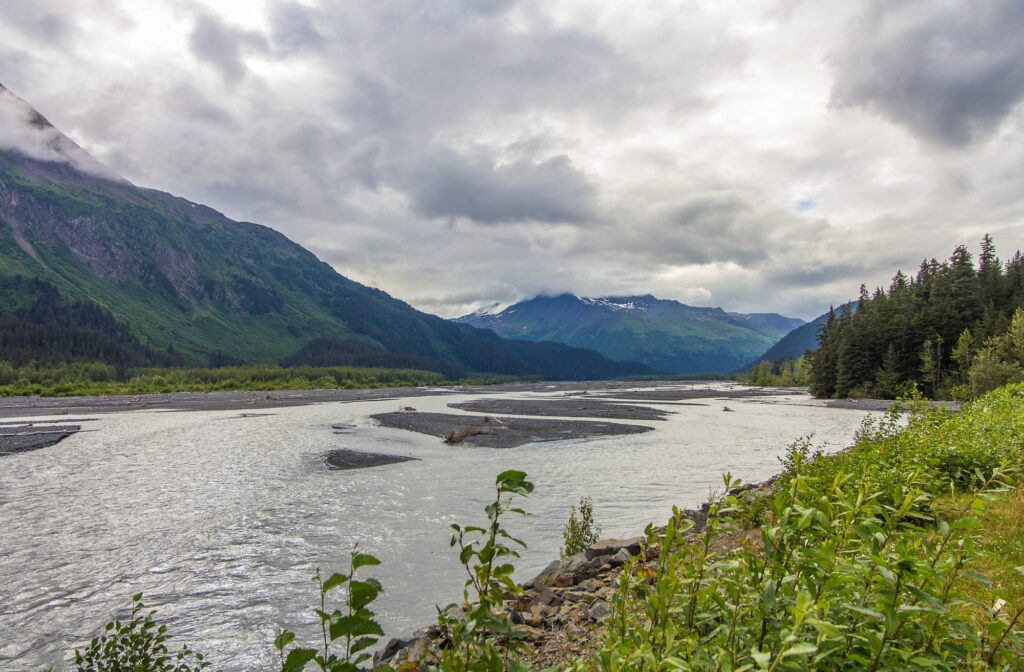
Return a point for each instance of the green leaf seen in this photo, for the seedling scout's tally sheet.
(283, 640)
(363, 560)
(297, 659)
(333, 581)
(354, 626)
(800, 649)
(362, 593)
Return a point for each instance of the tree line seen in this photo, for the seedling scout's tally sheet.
(956, 329)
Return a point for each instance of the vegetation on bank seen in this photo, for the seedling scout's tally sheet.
(82, 378)
(903, 552)
(889, 556)
(940, 330)
(783, 373)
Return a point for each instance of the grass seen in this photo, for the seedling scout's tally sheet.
(1001, 546)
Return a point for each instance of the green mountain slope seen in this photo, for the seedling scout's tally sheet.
(183, 276)
(668, 336)
(797, 342)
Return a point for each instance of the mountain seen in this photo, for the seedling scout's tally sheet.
(798, 341)
(162, 280)
(667, 336)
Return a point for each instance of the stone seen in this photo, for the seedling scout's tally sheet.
(613, 546)
(600, 611)
(546, 598)
(622, 557)
(393, 646)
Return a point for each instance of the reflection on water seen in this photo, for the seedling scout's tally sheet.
(220, 519)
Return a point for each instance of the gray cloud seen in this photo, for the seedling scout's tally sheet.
(948, 71)
(224, 46)
(451, 186)
(622, 150)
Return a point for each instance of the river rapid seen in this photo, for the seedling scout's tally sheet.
(220, 518)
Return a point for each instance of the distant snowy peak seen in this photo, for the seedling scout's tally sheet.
(486, 311)
(621, 302)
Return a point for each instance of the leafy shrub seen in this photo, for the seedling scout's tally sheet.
(580, 531)
(858, 569)
(478, 635)
(136, 645)
(350, 630)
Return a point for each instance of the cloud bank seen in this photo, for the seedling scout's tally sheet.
(765, 157)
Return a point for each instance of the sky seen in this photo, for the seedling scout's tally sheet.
(762, 155)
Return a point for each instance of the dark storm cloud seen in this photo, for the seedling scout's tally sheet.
(948, 71)
(451, 186)
(224, 46)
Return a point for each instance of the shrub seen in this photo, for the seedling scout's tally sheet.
(580, 531)
(137, 645)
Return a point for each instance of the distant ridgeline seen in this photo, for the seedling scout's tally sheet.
(953, 330)
(93, 268)
(668, 336)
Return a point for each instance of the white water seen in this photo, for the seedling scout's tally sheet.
(220, 520)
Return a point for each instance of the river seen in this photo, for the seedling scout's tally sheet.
(219, 518)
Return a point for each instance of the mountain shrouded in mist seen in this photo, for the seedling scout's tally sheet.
(163, 279)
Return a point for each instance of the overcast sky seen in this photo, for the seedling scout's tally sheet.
(755, 155)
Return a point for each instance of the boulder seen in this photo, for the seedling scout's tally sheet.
(613, 546)
(600, 611)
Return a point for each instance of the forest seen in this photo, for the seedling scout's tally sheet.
(955, 330)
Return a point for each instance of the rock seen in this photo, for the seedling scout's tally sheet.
(591, 586)
(532, 634)
(575, 596)
(560, 573)
(546, 598)
(390, 649)
(542, 612)
(600, 611)
(613, 546)
(621, 558)
(403, 653)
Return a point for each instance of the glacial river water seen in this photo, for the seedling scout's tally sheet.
(220, 520)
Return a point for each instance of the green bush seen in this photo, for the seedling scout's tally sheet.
(580, 531)
(136, 645)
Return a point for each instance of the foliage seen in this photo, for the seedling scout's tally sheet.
(782, 373)
(478, 635)
(136, 645)
(864, 565)
(351, 630)
(945, 330)
(580, 531)
(1000, 361)
(90, 378)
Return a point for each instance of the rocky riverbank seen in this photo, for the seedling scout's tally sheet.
(563, 609)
